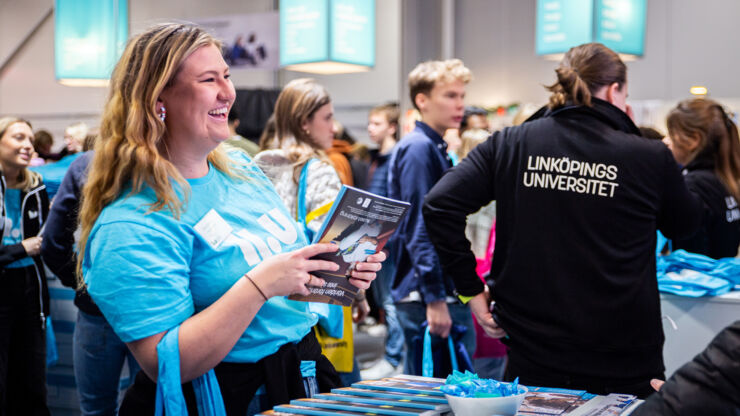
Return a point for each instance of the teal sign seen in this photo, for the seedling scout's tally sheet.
(304, 31)
(562, 24)
(618, 24)
(313, 31)
(353, 32)
(89, 37)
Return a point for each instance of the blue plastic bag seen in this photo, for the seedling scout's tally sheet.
(169, 386)
(437, 357)
(52, 356)
(693, 275)
(331, 317)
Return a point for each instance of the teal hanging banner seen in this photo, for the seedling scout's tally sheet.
(563, 24)
(304, 31)
(620, 25)
(353, 32)
(89, 37)
(327, 36)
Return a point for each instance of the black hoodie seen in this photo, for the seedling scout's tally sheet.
(579, 196)
(719, 234)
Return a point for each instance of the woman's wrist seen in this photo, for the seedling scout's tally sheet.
(256, 286)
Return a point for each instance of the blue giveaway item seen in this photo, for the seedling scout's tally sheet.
(690, 274)
(468, 384)
(52, 356)
(440, 357)
(169, 388)
(308, 372)
(692, 283)
(301, 201)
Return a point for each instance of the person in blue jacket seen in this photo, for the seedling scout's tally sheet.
(421, 291)
(24, 296)
(98, 353)
(178, 234)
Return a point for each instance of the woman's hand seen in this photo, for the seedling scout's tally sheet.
(360, 310)
(288, 273)
(364, 273)
(32, 245)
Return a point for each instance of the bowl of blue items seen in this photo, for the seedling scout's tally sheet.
(469, 395)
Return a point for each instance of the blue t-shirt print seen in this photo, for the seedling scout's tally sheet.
(149, 272)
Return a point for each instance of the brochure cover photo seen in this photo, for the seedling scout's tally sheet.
(361, 224)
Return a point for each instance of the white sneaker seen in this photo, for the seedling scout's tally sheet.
(380, 370)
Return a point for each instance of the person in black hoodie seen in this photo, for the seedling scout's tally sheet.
(579, 196)
(707, 385)
(24, 297)
(705, 141)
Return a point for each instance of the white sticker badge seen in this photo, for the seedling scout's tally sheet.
(213, 228)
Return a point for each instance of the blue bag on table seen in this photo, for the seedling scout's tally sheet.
(438, 357)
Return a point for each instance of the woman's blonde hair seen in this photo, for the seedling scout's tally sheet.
(707, 121)
(296, 105)
(27, 179)
(470, 139)
(584, 70)
(131, 145)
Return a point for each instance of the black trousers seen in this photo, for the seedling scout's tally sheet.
(22, 345)
(531, 374)
(279, 372)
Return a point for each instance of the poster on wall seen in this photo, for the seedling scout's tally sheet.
(250, 41)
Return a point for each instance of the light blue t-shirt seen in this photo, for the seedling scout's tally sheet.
(13, 231)
(150, 272)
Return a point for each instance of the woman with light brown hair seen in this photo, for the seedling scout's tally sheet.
(185, 243)
(704, 139)
(24, 296)
(296, 162)
(579, 196)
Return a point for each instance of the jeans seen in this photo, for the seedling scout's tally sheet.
(413, 314)
(98, 360)
(382, 291)
(353, 377)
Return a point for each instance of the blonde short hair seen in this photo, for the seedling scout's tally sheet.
(423, 78)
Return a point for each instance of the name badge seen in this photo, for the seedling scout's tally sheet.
(213, 228)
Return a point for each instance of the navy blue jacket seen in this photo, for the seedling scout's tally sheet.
(417, 163)
(58, 246)
(378, 172)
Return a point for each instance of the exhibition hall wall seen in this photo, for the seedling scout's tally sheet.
(687, 43)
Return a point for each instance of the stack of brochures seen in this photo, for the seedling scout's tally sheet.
(421, 396)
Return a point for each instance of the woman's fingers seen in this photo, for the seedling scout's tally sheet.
(378, 257)
(314, 265)
(314, 249)
(368, 267)
(359, 283)
(315, 281)
(364, 276)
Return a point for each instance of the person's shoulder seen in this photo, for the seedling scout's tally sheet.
(415, 143)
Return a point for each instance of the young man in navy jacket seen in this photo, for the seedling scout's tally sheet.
(421, 291)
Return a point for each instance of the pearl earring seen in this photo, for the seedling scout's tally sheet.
(162, 113)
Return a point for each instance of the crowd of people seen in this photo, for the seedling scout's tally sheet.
(183, 241)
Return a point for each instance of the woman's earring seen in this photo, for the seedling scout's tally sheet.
(162, 113)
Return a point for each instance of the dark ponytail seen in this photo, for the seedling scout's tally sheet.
(584, 70)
